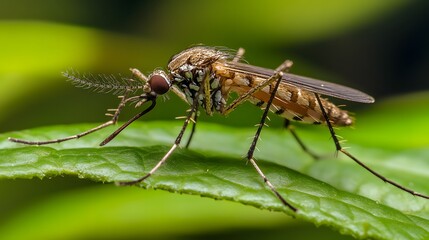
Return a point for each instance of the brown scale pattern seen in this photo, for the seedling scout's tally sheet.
(290, 102)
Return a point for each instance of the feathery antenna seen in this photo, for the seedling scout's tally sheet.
(117, 85)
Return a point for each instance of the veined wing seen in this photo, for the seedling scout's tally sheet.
(309, 84)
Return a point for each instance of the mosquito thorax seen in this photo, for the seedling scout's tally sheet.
(198, 56)
(159, 82)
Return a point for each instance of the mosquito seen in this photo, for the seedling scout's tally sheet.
(204, 77)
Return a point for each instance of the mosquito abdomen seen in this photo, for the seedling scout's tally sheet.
(290, 102)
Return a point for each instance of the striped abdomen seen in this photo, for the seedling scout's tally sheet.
(290, 102)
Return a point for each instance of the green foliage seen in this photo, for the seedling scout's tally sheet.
(327, 192)
(333, 192)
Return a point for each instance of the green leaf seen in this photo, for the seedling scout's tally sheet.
(213, 169)
(124, 213)
(397, 123)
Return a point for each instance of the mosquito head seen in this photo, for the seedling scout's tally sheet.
(159, 82)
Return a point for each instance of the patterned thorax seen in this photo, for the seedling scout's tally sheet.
(190, 69)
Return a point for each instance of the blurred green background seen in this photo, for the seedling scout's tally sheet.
(380, 47)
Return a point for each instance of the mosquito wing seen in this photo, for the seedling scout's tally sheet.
(309, 84)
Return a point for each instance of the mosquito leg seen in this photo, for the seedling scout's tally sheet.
(194, 125)
(114, 119)
(115, 133)
(237, 58)
(341, 149)
(291, 129)
(168, 154)
(277, 76)
(247, 95)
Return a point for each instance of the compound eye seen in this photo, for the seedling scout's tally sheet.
(159, 84)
